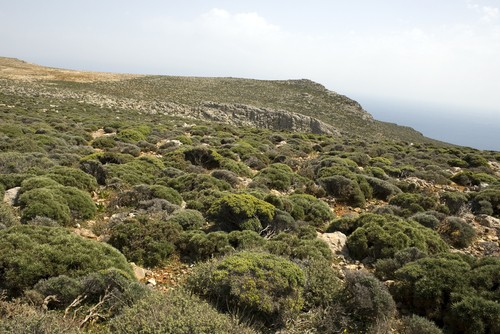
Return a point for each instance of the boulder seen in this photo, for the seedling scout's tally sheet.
(10, 196)
(336, 241)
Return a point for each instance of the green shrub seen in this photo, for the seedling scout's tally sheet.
(175, 312)
(426, 219)
(322, 283)
(414, 202)
(473, 314)
(225, 175)
(381, 237)
(199, 246)
(487, 200)
(454, 201)
(469, 178)
(276, 176)
(311, 210)
(144, 241)
(144, 170)
(457, 232)
(204, 157)
(37, 182)
(261, 286)
(72, 177)
(382, 189)
(104, 142)
(368, 302)
(18, 317)
(197, 182)
(78, 201)
(7, 216)
(246, 240)
(346, 190)
(385, 268)
(475, 160)
(425, 285)
(144, 192)
(188, 219)
(419, 325)
(44, 202)
(31, 253)
(242, 211)
(130, 136)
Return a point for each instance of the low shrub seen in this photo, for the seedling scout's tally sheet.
(145, 241)
(414, 203)
(419, 325)
(188, 219)
(258, 286)
(7, 216)
(385, 268)
(322, 283)
(425, 285)
(381, 237)
(175, 312)
(18, 317)
(382, 189)
(473, 314)
(311, 210)
(72, 177)
(31, 253)
(276, 176)
(454, 201)
(426, 219)
(346, 190)
(200, 246)
(487, 201)
(144, 192)
(457, 232)
(44, 202)
(242, 211)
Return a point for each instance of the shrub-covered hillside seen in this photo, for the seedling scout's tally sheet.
(234, 228)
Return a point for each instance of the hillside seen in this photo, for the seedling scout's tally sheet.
(160, 204)
(279, 105)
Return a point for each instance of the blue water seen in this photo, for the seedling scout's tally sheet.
(460, 127)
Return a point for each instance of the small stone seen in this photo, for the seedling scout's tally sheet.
(151, 282)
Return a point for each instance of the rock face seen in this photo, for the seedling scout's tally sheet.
(245, 115)
(336, 241)
(10, 196)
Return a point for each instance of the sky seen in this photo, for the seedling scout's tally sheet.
(433, 65)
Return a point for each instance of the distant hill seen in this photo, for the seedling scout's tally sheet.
(296, 105)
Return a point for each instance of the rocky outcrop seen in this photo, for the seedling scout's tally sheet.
(245, 115)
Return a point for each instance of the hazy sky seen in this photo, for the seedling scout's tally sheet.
(444, 53)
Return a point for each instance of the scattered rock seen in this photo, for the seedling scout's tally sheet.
(11, 195)
(488, 221)
(85, 233)
(151, 282)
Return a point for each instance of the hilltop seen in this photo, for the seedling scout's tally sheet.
(161, 204)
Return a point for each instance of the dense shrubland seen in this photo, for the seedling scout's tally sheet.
(243, 206)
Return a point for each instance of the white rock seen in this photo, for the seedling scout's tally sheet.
(336, 241)
(11, 196)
